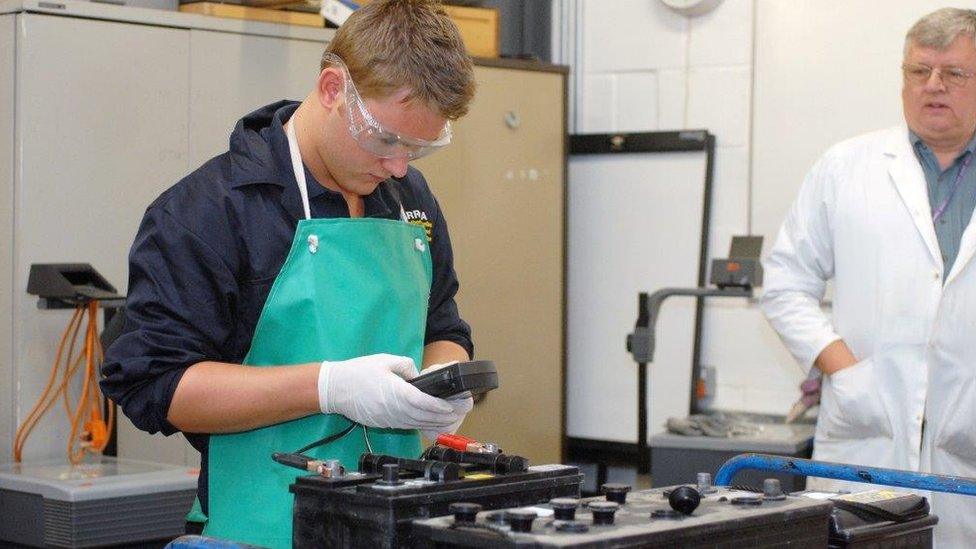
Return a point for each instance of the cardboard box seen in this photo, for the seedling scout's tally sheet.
(478, 26)
(479, 29)
(235, 11)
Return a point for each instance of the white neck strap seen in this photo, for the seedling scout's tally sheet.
(297, 166)
(299, 169)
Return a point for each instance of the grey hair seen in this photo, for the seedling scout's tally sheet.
(941, 27)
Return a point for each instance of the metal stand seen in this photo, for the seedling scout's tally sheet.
(641, 344)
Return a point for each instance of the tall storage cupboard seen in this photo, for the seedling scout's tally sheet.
(101, 109)
(502, 187)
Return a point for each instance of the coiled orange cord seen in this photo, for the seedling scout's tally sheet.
(93, 436)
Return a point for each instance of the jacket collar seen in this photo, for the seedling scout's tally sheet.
(259, 154)
(254, 143)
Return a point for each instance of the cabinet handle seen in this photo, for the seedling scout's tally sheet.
(513, 120)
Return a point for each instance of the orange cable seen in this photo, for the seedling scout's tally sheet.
(97, 432)
(62, 388)
(76, 457)
(70, 367)
(106, 402)
(28, 425)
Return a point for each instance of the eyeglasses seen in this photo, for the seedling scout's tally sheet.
(373, 136)
(919, 74)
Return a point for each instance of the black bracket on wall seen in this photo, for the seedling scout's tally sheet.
(602, 452)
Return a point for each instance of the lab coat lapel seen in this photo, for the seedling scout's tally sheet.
(908, 178)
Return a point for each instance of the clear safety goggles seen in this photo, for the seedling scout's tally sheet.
(372, 136)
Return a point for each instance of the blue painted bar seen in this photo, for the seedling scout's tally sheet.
(204, 542)
(841, 471)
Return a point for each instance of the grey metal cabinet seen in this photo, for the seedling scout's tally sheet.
(7, 64)
(97, 141)
(101, 109)
(234, 74)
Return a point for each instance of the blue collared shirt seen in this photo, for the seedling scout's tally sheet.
(950, 227)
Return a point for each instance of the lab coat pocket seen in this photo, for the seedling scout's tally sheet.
(851, 406)
(958, 435)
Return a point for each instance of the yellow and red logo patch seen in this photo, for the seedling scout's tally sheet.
(419, 218)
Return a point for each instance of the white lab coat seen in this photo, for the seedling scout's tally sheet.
(863, 219)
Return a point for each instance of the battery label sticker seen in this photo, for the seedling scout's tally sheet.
(871, 496)
(819, 495)
(478, 476)
(552, 467)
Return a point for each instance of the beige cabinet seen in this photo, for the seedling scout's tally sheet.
(501, 186)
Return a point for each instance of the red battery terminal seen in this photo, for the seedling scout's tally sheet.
(464, 444)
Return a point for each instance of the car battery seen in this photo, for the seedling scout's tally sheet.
(879, 519)
(682, 516)
(375, 506)
(677, 516)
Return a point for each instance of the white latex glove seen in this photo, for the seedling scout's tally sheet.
(373, 391)
(461, 404)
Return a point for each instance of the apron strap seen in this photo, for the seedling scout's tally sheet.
(298, 167)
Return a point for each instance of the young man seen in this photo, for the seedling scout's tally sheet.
(888, 216)
(278, 295)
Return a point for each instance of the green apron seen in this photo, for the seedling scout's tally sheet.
(349, 288)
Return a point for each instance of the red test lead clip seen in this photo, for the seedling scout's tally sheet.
(462, 443)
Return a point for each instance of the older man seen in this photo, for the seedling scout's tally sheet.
(887, 216)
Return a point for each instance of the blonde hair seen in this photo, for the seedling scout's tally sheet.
(391, 44)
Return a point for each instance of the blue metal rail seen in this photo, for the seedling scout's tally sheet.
(204, 542)
(840, 471)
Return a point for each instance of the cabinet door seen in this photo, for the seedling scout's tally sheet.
(501, 189)
(233, 74)
(102, 131)
(8, 389)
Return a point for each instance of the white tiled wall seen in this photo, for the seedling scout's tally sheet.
(637, 101)
(632, 35)
(718, 99)
(645, 68)
(723, 37)
(672, 98)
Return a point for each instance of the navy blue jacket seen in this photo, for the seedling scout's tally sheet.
(208, 250)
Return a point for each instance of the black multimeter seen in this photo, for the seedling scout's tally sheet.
(476, 376)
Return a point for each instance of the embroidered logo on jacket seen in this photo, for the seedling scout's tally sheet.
(419, 218)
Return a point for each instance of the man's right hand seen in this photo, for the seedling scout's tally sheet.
(373, 391)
